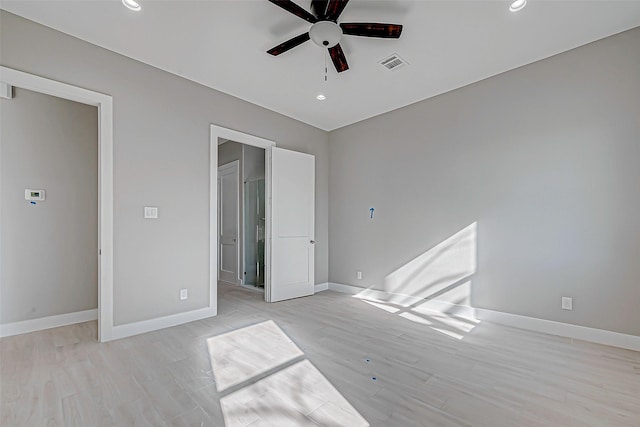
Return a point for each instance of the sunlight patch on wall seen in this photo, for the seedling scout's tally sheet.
(433, 289)
(437, 272)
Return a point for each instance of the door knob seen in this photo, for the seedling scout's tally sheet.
(313, 242)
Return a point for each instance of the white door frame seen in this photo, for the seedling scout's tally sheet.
(105, 179)
(220, 135)
(233, 164)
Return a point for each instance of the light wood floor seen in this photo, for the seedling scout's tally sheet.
(313, 361)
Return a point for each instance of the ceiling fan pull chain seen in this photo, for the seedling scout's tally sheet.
(325, 67)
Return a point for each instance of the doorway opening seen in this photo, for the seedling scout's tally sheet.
(228, 258)
(100, 248)
(289, 196)
(241, 214)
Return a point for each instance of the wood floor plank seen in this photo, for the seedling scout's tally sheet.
(329, 359)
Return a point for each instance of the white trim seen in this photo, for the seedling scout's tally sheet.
(226, 134)
(213, 221)
(319, 287)
(32, 325)
(220, 135)
(599, 336)
(135, 328)
(105, 178)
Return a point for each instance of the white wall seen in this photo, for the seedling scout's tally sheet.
(161, 158)
(506, 194)
(49, 260)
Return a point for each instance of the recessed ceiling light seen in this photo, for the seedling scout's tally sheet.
(132, 4)
(321, 97)
(515, 6)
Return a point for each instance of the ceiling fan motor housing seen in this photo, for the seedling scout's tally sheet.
(325, 33)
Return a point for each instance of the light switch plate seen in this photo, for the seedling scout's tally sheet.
(150, 212)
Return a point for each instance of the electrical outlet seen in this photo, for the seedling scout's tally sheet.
(184, 294)
(359, 275)
(150, 212)
(567, 303)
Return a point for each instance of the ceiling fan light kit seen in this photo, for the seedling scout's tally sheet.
(326, 32)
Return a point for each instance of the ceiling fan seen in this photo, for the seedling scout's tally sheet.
(326, 32)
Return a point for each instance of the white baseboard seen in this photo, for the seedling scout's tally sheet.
(599, 336)
(321, 287)
(32, 325)
(135, 328)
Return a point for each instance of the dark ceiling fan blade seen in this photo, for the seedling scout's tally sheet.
(338, 58)
(290, 6)
(335, 8)
(319, 7)
(368, 29)
(289, 44)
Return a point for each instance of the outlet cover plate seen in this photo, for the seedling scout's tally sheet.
(184, 294)
(567, 303)
(150, 212)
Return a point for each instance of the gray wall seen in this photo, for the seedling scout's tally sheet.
(528, 182)
(253, 163)
(50, 250)
(161, 158)
(229, 151)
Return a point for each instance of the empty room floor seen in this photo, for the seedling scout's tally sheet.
(329, 360)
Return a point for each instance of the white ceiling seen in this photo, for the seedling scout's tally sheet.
(222, 44)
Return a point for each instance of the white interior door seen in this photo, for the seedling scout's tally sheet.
(292, 229)
(228, 214)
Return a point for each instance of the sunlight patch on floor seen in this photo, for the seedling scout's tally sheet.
(248, 352)
(382, 306)
(424, 312)
(264, 379)
(415, 318)
(298, 395)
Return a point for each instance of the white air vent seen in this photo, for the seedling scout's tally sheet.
(393, 62)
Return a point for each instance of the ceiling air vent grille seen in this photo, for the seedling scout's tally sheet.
(393, 62)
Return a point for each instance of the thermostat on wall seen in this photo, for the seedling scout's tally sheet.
(30, 194)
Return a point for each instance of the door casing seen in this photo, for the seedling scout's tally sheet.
(104, 251)
(219, 135)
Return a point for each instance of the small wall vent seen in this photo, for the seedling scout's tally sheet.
(393, 62)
